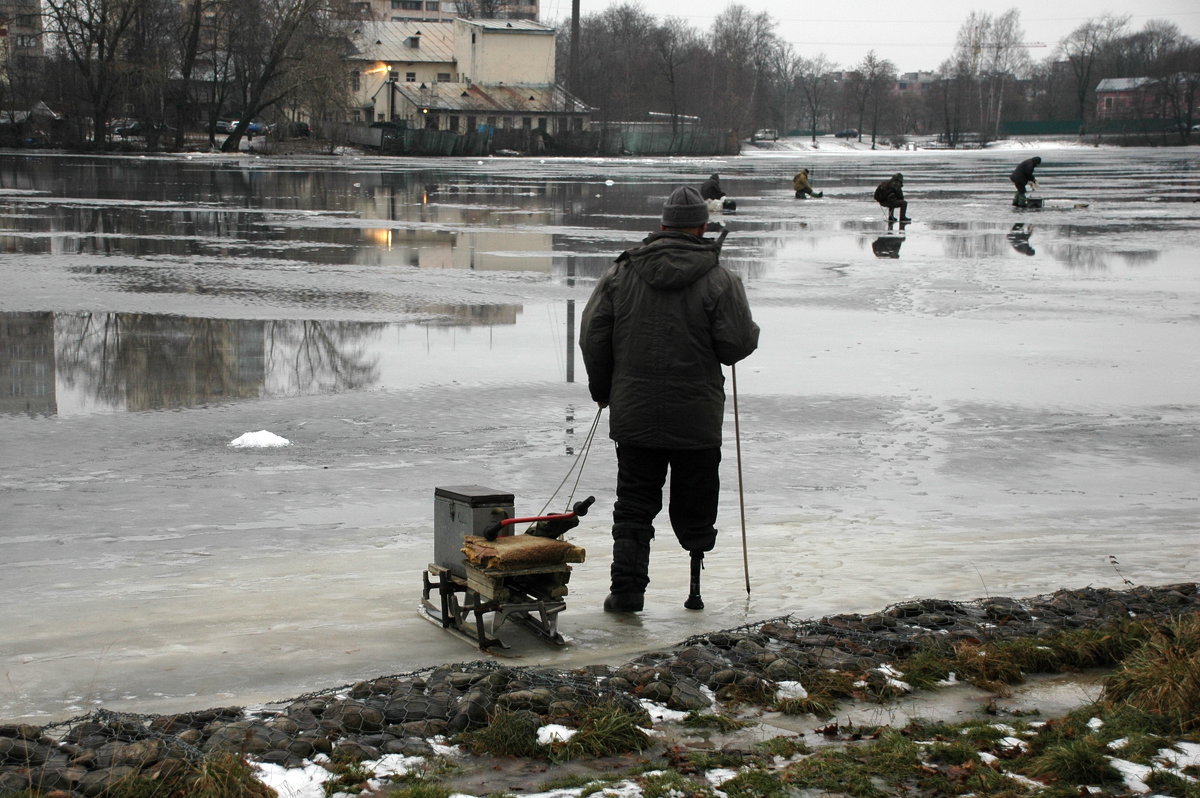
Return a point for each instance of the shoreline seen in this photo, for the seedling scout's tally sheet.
(408, 714)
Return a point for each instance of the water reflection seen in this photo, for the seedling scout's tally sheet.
(1019, 235)
(98, 362)
(888, 246)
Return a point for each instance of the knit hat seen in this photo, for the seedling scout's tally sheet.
(899, 178)
(685, 208)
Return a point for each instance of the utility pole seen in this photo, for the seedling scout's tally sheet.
(573, 64)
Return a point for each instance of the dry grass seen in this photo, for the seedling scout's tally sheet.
(1162, 678)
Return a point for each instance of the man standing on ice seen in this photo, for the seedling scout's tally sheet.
(655, 332)
(1021, 177)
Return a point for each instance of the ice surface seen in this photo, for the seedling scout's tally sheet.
(964, 419)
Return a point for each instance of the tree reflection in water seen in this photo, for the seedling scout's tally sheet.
(152, 362)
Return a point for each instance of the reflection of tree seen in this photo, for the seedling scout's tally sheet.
(320, 357)
(989, 245)
(151, 362)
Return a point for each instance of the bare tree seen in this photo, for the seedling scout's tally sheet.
(878, 75)
(815, 78)
(1007, 59)
(740, 42)
(147, 63)
(1083, 48)
(785, 66)
(92, 34)
(674, 46)
(1178, 74)
(269, 42)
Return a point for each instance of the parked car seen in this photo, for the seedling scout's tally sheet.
(252, 129)
(225, 125)
(765, 134)
(848, 133)
(299, 129)
(141, 128)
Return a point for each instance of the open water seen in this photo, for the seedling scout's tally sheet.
(988, 402)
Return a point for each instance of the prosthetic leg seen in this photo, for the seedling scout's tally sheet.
(694, 602)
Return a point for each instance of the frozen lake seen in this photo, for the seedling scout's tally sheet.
(989, 402)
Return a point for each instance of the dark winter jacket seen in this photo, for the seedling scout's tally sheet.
(1024, 172)
(654, 334)
(890, 193)
(711, 189)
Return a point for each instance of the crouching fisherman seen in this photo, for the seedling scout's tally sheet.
(802, 186)
(655, 332)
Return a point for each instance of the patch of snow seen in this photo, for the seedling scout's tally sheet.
(788, 689)
(1134, 774)
(718, 776)
(1181, 755)
(554, 733)
(303, 782)
(1095, 723)
(258, 440)
(660, 712)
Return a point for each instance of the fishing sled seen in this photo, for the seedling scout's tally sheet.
(484, 577)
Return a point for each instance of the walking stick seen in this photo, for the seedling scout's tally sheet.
(737, 434)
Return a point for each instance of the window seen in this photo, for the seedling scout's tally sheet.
(453, 122)
(527, 122)
(1108, 103)
(355, 80)
(491, 121)
(444, 77)
(431, 5)
(407, 5)
(410, 77)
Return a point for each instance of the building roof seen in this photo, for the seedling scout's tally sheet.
(510, 25)
(1123, 84)
(393, 42)
(493, 98)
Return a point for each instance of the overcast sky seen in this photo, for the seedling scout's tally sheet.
(914, 34)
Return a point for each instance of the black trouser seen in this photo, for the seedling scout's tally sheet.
(695, 491)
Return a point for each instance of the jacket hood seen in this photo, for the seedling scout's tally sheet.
(669, 260)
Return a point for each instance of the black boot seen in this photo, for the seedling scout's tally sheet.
(630, 567)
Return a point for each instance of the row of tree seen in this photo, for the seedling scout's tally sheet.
(182, 64)
(177, 66)
(740, 75)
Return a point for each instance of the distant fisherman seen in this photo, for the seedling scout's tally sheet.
(890, 194)
(803, 187)
(711, 189)
(1021, 177)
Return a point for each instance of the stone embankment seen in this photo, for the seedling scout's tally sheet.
(400, 714)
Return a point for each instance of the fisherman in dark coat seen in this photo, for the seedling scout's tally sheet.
(890, 194)
(655, 332)
(1021, 177)
(711, 189)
